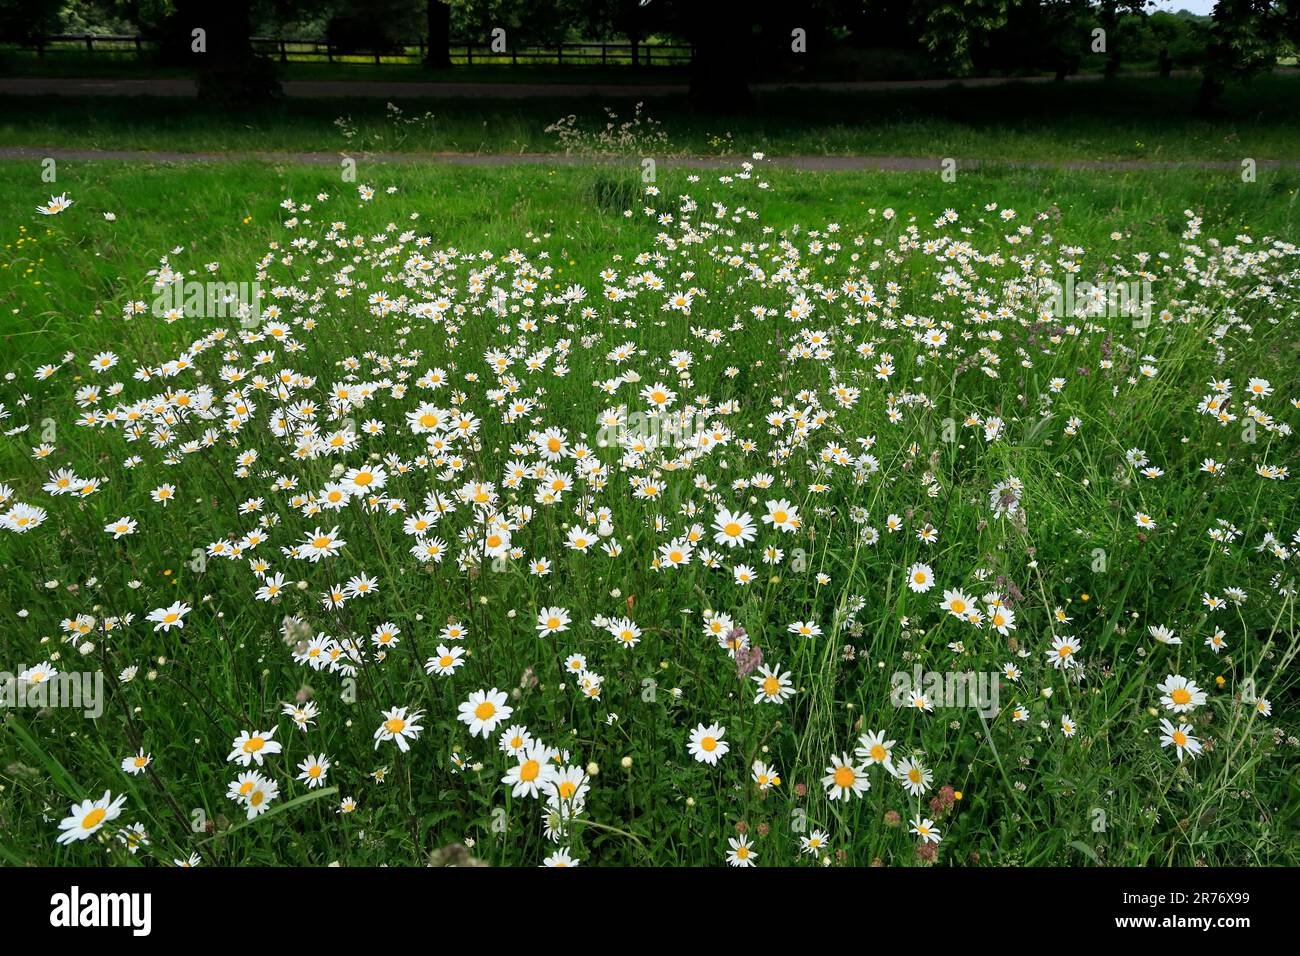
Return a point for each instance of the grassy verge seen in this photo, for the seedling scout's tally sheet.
(1042, 122)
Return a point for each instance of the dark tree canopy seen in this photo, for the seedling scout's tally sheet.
(736, 42)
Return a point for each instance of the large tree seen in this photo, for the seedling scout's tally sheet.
(215, 39)
(24, 21)
(721, 32)
(437, 15)
(1246, 38)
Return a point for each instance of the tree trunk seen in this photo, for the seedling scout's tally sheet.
(438, 14)
(1109, 17)
(216, 41)
(1207, 98)
(720, 66)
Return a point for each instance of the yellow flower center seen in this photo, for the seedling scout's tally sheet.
(93, 818)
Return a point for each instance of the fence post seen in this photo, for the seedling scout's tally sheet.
(559, 54)
(284, 53)
(469, 55)
(90, 45)
(329, 52)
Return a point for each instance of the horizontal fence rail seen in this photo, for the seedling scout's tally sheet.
(298, 50)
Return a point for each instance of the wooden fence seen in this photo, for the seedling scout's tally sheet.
(291, 50)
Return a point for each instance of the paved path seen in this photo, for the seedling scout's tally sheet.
(808, 163)
(68, 86)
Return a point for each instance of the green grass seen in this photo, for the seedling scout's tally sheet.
(1029, 795)
(476, 208)
(1128, 119)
